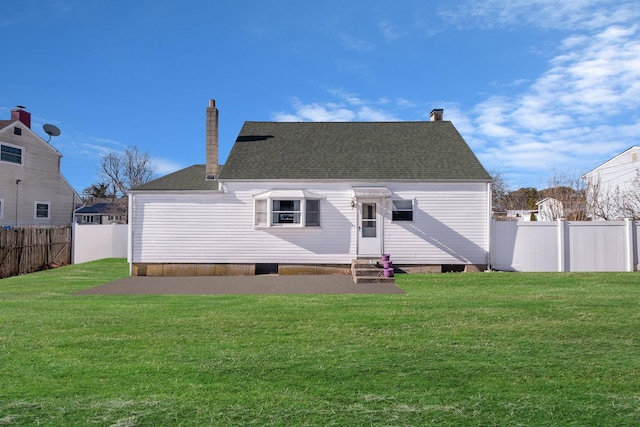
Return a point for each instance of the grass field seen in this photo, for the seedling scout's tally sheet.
(458, 349)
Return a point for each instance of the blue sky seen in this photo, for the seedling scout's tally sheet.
(536, 87)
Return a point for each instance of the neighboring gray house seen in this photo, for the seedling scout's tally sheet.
(32, 189)
(102, 213)
(310, 194)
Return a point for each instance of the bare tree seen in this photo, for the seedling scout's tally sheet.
(123, 171)
(602, 201)
(630, 202)
(500, 197)
(99, 191)
(613, 203)
(568, 196)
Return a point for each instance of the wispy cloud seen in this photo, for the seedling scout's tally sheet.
(575, 113)
(346, 108)
(356, 44)
(165, 166)
(389, 31)
(579, 112)
(548, 14)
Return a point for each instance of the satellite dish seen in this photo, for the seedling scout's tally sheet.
(51, 130)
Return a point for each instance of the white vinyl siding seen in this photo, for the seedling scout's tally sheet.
(219, 228)
(450, 226)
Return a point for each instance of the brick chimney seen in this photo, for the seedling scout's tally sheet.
(19, 113)
(212, 141)
(436, 115)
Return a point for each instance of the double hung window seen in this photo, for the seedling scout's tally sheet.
(11, 154)
(286, 212)
(402, 210)
(41, 210)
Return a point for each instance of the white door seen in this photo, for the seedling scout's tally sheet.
(369, 229)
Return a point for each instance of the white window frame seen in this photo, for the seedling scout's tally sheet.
(35, 210)
(395, 209)
(16, 147)
(264, 209)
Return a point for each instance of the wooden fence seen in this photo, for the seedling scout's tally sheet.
(33, 248)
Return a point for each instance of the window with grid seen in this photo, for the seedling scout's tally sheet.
(11, 154)
(287, 212)
(41, 210)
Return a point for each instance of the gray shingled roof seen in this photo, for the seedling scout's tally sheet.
(338, 151)
(101, 208)
(351, 151)
(5, 123)
(191, 178)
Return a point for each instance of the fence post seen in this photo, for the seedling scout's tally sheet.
(562, 247)
(73, 242)
(630, 243)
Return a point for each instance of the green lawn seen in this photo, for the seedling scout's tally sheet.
(458, 349)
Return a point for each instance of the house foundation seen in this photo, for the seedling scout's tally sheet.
(187, 270)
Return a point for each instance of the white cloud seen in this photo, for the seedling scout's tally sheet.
(577, 114)
(352, 43)
(164, 166)
(389, 31)
(348, 108)
(547, 14)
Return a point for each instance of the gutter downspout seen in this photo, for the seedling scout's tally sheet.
(130, 232)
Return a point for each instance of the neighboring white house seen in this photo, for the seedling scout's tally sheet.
(32, 189)
(309, 193)
(549, 209)
(613, 188)
(522, 214)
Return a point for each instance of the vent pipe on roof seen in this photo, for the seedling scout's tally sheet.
(212, 141)
(436, 115)
(19, 113)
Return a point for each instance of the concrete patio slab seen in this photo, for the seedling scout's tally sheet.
(238, 285)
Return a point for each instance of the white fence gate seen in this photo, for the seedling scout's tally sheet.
(91, 242)
(565, 246)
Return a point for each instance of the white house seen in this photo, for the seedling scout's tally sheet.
(32, 189)
(522, 214)
(613, 188)
(317, 194)
(549, 209)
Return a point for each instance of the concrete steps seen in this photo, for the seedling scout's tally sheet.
(369, 270)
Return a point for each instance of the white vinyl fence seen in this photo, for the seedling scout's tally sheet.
(565, 246)
(91, 242)
(515, 245)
